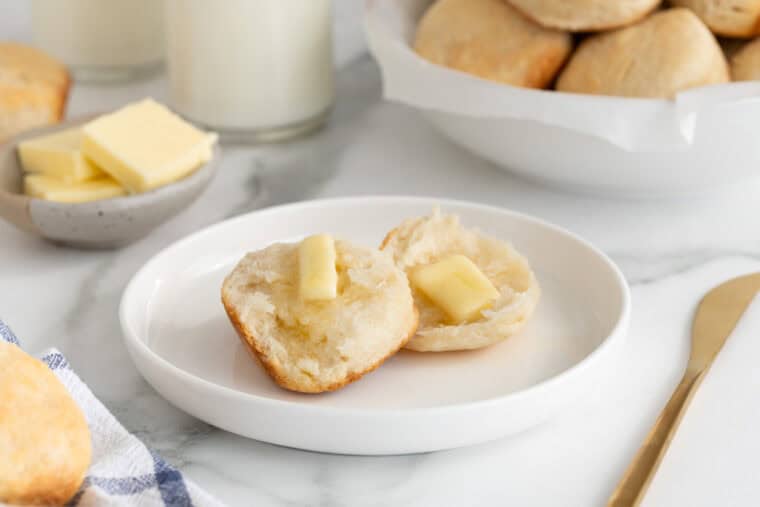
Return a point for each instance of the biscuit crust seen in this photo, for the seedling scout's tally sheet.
(33, 89)
(668, 52)
(274, 368)
(45, 448)
(492, 40)
(745, 63)
(585, 15)
(731, 18)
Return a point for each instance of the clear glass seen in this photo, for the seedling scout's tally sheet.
(252, 70)
(102, 40)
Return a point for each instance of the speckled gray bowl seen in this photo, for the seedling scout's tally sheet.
(109, 223)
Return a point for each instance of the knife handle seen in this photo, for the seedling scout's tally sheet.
(630, 491)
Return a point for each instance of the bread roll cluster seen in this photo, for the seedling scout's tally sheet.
(625, 48)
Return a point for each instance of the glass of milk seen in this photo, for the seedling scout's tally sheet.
(101, 40)
(252, 70)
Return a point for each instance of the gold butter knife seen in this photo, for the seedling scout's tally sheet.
(716, 317)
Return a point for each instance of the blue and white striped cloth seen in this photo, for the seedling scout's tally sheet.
(123, 471)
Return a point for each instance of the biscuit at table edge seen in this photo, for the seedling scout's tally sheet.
(45, 447)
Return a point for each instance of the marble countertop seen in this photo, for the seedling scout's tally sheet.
(670, 251)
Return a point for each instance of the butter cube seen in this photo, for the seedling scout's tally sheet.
(58, 155)
(316, 260)
(456, 286)
(45, 187)
(144, 145)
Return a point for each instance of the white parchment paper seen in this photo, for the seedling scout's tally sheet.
(631, 124)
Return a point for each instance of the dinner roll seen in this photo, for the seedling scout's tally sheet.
(315, 346)
(585, 15)
(425, 240)
(732, 18)
(44, 440)
(745, 63)
(492, 40)
(668, 52)
(34, 89)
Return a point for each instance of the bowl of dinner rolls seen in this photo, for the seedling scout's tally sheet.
(634, 98)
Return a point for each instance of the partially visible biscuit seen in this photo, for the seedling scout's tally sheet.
(44, 440)
(316, 346)
(732, 18)
(668, 52)
(492, 40)
(745, 63)
(585, 15)
(33, 89)
(425, 240)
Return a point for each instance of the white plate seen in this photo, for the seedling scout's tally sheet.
(178, 335)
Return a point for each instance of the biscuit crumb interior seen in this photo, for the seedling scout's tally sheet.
(321, 342)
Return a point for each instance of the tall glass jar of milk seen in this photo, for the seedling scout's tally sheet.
(101, 40)
(252, 70)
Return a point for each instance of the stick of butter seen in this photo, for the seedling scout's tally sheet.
(58, 155)
(53, 189)
(316, 260)
(457, 286)
(144, 145)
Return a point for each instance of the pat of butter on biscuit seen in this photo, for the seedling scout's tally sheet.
(316, 260)
(52, 189)
(58, 155)
(144, 145)
(456, 286)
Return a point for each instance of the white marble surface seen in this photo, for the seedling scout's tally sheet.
(671, 252)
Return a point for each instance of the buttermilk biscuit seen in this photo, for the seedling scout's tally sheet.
(492, 40)
(732, 18)
(425, 240)
(33, 89)
(668, 52)
(44, 440)
(315, 346)
(745, 63)
(585, 15)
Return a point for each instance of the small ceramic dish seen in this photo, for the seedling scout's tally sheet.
(108, 223)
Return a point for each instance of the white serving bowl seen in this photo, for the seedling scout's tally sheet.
(566, 159)
(706, 138)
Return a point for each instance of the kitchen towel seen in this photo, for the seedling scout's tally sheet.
(717, 440)
(123, 471)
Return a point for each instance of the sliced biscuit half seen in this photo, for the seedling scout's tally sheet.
(316, 346)
(426, 240)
